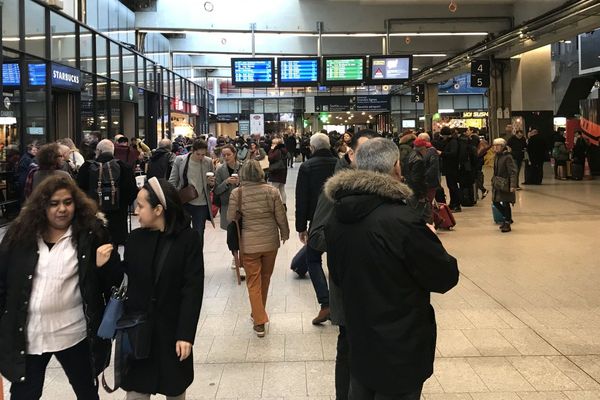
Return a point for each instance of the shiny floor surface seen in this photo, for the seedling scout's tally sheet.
(523, 323)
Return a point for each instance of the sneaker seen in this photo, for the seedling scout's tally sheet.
(242, 274)
(233, 264)
(259, 330)
(323, 316)
(484, 193)
(505, 227)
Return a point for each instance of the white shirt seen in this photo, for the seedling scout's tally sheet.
(56, 320)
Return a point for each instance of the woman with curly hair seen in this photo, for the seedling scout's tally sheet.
(52, 291)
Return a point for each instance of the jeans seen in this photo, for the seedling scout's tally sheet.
(342, 368)
(360, 392)
(298, 264)
(455, 195)
(199, 217)
(75, 361)
(317, 276)
(505, 209)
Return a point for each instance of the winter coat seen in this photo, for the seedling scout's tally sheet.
(126, 153)
(17, 266)
(505, 167)
(311, 177)
(178, 300)
(128, 190)
(276, 154)
(290, 144)
(387, 261)
(405, 146)
(517, 147)
(160, 164)
(258, 155)
(264, 222)
(432, 168)
(450, 157)
(343, 163)
(580, 151)
(22, 170)
(414, 174)
(536, 148)
(224, 189)
(560, 151)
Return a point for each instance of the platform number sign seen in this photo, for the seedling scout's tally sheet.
(480, 73)
(418, 93)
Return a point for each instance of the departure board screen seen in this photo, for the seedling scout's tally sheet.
(385, 69)
(342, 71)
(298, 71)
(37, 74)
(11, 74)
(253, 72)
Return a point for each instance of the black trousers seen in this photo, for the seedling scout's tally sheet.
(360, 392)
(455, 194)
(75, 361)
(342, 369)
(505, 209)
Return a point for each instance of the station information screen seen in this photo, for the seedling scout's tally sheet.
(298, 71)
(37, 74)
(344, 70)
(389, 70)
(11, 74)
(253, 72)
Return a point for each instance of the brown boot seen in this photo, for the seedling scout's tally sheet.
(322, 317)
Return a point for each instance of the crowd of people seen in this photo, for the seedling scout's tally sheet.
(361, 198)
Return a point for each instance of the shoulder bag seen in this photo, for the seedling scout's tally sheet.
(234, 238)
(188, 192)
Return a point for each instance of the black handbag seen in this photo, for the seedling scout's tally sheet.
(234, 229)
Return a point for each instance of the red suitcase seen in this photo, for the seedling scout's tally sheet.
(442, 217)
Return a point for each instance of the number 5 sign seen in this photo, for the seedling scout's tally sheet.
(480, 73)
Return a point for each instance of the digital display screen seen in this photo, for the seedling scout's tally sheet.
(253, 71)
(390, 69)
(344, 70)
(298, 71)
(589, 52)
(11, 74)
(37, 74)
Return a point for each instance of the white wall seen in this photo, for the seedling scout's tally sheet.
(531, 87)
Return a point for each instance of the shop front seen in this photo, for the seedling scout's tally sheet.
(461, 120)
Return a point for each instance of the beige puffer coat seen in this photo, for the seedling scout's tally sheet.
(264, 217)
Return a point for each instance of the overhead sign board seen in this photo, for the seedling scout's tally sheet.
(418, 93)
(480, 73)
(344, 70)
(335, 103)
(373, 103)
(298, 71)
(253, 72)
(389, 70)
(64, 77)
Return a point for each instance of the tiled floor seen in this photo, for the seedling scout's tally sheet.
(523, 323)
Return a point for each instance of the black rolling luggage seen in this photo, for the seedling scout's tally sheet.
(468, 195)
(577, 172)
(533, 175)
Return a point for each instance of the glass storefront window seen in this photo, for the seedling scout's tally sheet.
(115, 108)
(101, 60)
(35, 111)
(271, 106)
(63, 38)
(286, 105)
(150, 76)
(9, 134)
(115, 61)
(141, 116)
(35, 32)
(128, 67)
(141, 62)
(102, 104)
(10, 24)
(87, 103)
(86, 39)
(165, 80)
(177, 89)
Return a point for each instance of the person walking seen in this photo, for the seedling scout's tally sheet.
(264, 226)
(161, 161)
(391, 326)
(52, 291)
(504, 182)
(537, 151)
(278, 167)
(290, 146)
(165, 268)
(431, 159)
(197, 170)
(311, 178)
(450, 164)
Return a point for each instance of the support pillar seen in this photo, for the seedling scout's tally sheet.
(431, 104)
(499, 100)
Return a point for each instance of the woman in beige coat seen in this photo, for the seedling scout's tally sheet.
(264, 226)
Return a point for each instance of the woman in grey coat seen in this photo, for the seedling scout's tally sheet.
(227, 179)
(504, 182)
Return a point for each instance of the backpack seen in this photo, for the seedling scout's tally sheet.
(104, 184)
(28, 188)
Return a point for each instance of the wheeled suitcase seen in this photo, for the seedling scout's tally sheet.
(468, 195)
(442, 217)
(577, 172)
(498, 217)
(533, 175)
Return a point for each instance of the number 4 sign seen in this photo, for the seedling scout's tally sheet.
(480, 73)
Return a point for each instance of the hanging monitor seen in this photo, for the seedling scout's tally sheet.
(344, 70)
(11, 74)
(298, 71)
(389, 70)
(253, 72)
(37, 74)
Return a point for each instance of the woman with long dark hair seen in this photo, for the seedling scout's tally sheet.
(52, 291)
(165, 267)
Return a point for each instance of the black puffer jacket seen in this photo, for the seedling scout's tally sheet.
(414, 173)
(311, 177)
(17, 266)
(160, 164)
(387, 261)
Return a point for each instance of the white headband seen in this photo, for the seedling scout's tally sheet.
(155, 185)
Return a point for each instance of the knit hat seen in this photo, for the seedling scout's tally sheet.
(421, 143)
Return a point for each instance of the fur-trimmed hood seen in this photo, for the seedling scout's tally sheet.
(356, 194)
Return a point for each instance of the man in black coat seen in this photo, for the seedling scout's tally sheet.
(451, 165)
(161, 161)
(537, 151)
(117, 220)
(290, 144)
(387, 261)
(518, 146)
(311, 177)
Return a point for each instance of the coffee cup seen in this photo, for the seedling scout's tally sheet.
(234, 175)
(210, 174)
